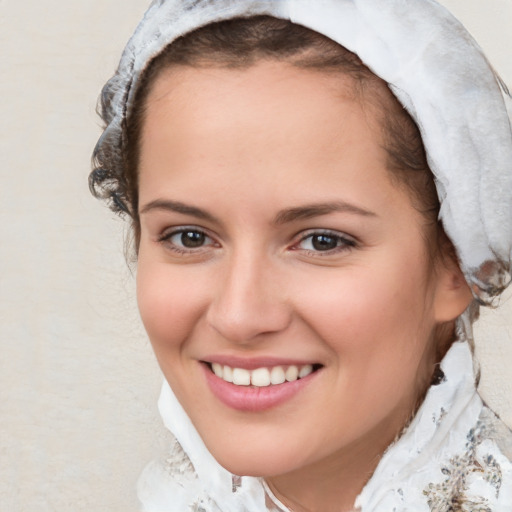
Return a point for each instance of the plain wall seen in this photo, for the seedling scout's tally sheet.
(78, 381)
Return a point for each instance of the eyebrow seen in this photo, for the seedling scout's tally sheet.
(317, 209)
(176, 206)
(282, 217)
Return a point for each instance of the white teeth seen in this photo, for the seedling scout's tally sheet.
(261, 377)
(292, 373)
(241, 377)
(277, 375)
(217, 369)
(305, 371)
(228, 374)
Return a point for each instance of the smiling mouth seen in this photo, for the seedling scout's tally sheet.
(262, 377)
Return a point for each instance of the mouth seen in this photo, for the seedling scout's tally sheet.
(256, 384)
(264, 376)
(261, 387)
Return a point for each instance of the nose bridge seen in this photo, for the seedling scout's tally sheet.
(248, 301)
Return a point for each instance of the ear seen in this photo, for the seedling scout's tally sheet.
(453, 294)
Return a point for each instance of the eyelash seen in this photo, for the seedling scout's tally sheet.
(343, 242)
(166, 238)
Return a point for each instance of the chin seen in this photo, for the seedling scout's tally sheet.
(257, 462)
(260, 469)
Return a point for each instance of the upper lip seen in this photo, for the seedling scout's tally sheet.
(252, 363)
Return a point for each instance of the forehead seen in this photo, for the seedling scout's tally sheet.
(272, 98)
(268, 125)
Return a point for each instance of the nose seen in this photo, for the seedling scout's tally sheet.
(249, 301)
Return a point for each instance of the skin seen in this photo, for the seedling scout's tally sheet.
(249, 147)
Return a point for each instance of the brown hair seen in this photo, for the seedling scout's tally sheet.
(238, 43)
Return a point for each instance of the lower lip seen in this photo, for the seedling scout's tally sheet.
(254, 399)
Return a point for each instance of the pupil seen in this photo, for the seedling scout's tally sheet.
(324, 242)
(192, 239)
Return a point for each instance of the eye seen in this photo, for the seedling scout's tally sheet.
(325, 242)
(189, 239)
(185, 239)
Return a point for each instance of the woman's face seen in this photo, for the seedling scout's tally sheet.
(274, 243)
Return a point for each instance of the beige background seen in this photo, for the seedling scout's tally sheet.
(78, 382)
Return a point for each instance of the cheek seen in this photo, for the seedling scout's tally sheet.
(376, 322)
(170, 302)
(361, 302)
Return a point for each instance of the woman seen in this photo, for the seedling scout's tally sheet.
(311, 315)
